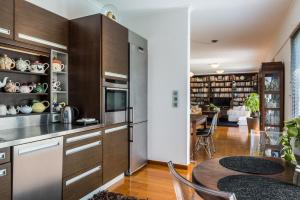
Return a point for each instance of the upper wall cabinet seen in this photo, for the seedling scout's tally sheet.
(114, 49)
(37, 26)
(7, 18)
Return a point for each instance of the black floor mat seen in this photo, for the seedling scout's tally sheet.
(105, 195)
(252, 187)
(253, 165)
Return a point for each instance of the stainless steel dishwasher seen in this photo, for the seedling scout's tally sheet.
(37, 170)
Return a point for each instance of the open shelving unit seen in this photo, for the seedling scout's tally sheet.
(215, 88)
(27, 77)
(59, 96)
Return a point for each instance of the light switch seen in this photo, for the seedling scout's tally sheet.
(175, 98)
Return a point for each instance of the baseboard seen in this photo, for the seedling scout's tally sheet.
(103, 187)
(177, 166)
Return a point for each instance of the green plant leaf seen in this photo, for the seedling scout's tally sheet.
(292, 132)
(297, 120)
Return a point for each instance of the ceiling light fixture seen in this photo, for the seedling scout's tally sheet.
(214, 65)
(221, 71)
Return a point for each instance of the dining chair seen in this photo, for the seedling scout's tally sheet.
(215, 124)
(205, 137)
(186, 190)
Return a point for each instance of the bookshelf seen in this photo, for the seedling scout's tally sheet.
(229, 89)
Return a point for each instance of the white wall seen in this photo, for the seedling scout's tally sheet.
(281, 50)
(168, 35)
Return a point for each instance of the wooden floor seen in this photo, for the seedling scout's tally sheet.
(154, 182)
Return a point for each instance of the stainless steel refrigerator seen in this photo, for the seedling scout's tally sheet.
(138, 102)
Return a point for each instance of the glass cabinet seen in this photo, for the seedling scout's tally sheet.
(272, 96)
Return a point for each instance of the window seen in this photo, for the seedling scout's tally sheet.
(296, 74)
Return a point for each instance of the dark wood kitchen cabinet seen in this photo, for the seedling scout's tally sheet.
(5, 181)
(85, 65)
(7, 19)
(115, 59)
(115, 152)
(35, 25)
(97, 45)
(5, 174)
(82, 163)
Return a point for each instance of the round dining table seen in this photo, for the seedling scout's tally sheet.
(209, 172)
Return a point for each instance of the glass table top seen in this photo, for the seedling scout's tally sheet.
(265, 143)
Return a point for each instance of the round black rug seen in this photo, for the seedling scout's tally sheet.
(253, 165)
(252, 187)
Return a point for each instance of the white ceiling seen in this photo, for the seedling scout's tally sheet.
(244, 28)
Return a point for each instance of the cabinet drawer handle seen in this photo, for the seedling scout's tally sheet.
(37, 148)
(83, 137)
(4, 31)
(41, 41)
(2, 156)
(2, 172)
(115, 129)
(81, 176)
(82, 148)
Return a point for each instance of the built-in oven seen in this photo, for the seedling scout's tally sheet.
(115, 94)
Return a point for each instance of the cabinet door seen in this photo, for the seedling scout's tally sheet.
(115, 152)
(5, 181)
(7, 18)
(38, 26)
(114, 49)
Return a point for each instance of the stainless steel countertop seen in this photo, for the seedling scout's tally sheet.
(17, 136)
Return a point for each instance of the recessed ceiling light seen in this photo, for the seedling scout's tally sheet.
(214, 41)
(214, 65)
(221, 71)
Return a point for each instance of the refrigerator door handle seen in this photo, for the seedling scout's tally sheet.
(130, 114)
(130, 133)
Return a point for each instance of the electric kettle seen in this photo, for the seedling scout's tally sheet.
(69, 114)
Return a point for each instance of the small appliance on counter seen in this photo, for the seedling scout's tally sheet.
(69, 114)
(86, 121)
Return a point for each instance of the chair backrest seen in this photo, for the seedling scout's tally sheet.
(214, 122)
(186, 190)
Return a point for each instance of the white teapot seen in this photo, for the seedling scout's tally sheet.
(38, 67)
(3, 110)
(22, 65)
(3, 83)
(25, 109)
(25, 89)
(12, 110)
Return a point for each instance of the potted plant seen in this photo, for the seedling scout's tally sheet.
(213, 107)
(252, 104)
(290, 140)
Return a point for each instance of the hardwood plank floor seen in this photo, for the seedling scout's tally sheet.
(154, 182)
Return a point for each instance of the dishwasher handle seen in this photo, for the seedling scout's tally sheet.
(38, 148)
